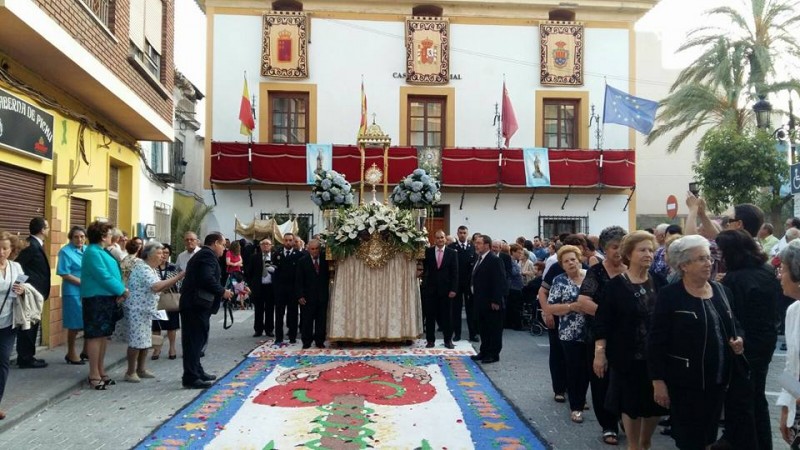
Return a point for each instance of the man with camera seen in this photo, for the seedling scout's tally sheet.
(259, 270)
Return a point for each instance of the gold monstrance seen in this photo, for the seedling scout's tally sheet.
(373, 176)
(375, 137)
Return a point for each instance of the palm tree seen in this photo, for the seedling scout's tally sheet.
(183, 222)
(737, 64)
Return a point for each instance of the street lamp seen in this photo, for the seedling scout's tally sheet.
(763, 109)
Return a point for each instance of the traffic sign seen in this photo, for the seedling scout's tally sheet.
(672, 207)
(795, 178)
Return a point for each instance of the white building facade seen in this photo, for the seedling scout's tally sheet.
(490, 42)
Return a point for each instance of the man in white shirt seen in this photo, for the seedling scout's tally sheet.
(190, 239)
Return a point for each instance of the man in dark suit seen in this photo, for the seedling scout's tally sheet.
(439, 288)
(259, 271)
(488, 289)
(312, 291)
(284, 281)
(34, 262)
(201, 294)
(466, 259)
(497, 249)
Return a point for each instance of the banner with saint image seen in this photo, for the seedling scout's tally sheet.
(537, 167)
(318, 157)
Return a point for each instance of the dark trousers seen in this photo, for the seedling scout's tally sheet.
(285, 303)
(513, 319)
(264, 308)
(194, 336)
(747, 423)
(463, 300)
(577, 373)
(6, 346)
(558, 366)
(26, 343)
(313, 326)
(437, 309)
(695, 415)
(490, 326)
(608, 421)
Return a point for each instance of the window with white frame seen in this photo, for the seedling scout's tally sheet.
(157, 157)
(146, 26)
(161, 215)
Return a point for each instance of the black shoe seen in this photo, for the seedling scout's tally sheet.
(430, 344)
(456, 338)
(198, 384)
(783, 346)
(257, 334)
(202, 354)
(292, 341)
(84, 356)
(79, 362)
(449, 345)
(33, 364)
(321, 345)
(490, 360)
(665, 422)
(477, 357)
(306, 346)
(208, 377)
(475, 338)
(270, 334)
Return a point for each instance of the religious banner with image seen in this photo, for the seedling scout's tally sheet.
(427, 50)
(537, 167)
(318, 157)
(284, 49)
(561, 53)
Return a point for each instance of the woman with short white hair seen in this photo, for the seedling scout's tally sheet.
(691, 346)
(144, 284)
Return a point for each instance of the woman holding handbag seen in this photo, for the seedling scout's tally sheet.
(144, 285)
(168, 300)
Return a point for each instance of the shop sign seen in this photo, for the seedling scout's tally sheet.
(25, 127)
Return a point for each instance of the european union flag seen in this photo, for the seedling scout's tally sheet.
(633, 112)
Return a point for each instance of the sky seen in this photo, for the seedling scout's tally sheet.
(671, 20)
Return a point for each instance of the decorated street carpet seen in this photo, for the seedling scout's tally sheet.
(389, 397)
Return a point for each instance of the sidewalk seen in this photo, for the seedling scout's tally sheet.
(29, 391)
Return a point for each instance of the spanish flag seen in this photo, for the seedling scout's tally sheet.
(246, 113)
(363, 128)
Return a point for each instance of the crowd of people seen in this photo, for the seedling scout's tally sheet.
(664, 322)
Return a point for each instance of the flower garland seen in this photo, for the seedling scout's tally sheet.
(357, 225)
(331, 190)
(417, 190)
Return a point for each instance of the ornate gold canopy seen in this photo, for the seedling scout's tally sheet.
(374, 136)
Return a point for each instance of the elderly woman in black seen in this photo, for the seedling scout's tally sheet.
(755, 295)
(597, 277)
(621, 327)
(692, 342)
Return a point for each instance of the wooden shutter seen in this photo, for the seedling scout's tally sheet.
(78, 212)
(23, 198)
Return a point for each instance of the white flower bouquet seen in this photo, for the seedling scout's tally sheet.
(394, 225)
(418, 190)
(331, 190)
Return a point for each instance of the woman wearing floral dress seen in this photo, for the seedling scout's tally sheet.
(572, 330)
(144, 284)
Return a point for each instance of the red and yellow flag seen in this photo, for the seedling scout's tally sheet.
(363, 127)
(246, 113)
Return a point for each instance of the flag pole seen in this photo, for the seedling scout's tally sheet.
(250, 152)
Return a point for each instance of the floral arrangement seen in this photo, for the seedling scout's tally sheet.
(331, 190)
(418, 190)
(394, 226)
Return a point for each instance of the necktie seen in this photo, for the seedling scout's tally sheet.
(478, 263)
(438, 258)
(316, 265)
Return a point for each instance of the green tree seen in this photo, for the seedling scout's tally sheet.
(741, 168)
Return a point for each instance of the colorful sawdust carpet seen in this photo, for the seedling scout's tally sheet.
(403, 397)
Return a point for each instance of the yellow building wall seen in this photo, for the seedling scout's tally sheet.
(68, 168)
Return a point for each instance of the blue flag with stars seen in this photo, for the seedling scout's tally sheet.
(625, 109)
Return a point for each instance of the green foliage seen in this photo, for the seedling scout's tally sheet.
(182, 222)
(735, 167)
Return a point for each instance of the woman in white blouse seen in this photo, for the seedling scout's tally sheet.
(789, 274)
(9, 271)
